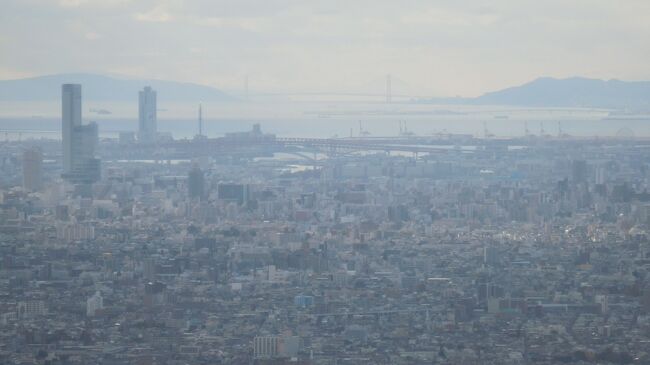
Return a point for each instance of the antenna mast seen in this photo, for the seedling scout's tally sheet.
(526, 131)
(200, 120)
(246, 86)
(389, 92)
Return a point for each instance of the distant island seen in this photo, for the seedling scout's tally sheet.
(574, 92)
(104, 88)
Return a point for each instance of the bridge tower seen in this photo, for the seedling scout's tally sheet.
(246, 87)
(389, 92)
(526, 131)
(200, 120)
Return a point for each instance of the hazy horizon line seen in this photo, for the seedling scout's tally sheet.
(279, 92)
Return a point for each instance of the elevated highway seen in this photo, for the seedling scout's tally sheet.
(267, 145)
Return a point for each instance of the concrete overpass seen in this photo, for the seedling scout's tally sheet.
(268, 145)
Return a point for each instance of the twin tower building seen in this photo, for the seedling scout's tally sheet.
(80, 164)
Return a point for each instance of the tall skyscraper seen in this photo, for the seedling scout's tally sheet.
(196, 183)
(200, 120)
(79, 141)
(579, 171)
(71, 117)
(33, 169)
(147, 127)
(238, 193)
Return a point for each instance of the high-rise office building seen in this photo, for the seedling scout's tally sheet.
(196, 183)
(579, 171)
(79, 141)
(33, 169)
(238, 193)
(71, 118)
(147, 127)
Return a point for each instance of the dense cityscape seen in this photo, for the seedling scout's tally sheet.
(250, 248)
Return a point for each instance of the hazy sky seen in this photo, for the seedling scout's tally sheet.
(431, 47)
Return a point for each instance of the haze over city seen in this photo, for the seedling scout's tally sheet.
(278, 182)
(437, 48)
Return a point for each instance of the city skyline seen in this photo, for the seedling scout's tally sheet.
(324, 182)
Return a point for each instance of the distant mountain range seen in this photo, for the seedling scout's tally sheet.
(570, 92)
(104, 88)
(542, 92)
